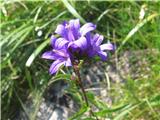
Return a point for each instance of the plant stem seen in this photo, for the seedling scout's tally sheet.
(79, 81)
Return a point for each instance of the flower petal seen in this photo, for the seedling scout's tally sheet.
(75, 23)
(68, 62)
(95, 37)
(60, 43)
(107, 46)
(91, 53)
(87, 28)
(75, 26)
(49, 55)
(70, 34)
(99, 40)
(55, 66)
(103, 55)
(88, 37)
(61, 30)
(81, 43)
(53, 40)
(60, 53)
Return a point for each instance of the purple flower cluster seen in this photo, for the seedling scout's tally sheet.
(75, 42)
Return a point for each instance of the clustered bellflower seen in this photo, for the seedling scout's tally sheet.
(75, 42)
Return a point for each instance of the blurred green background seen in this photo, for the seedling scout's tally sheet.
(26, 27)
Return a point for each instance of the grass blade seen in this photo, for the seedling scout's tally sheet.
(73, 11)
(126, 111)
(19, 41)
(36, 16)
(53, 19)
(135, 29)
(7, 38)
(36, 52)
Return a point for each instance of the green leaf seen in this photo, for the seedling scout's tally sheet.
(29, 78)
(125, 111)
(155, 101)
(81, 112)
(104, 112)
(90, 95)
(60, 77)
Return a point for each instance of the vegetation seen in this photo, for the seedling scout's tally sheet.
(26, 27)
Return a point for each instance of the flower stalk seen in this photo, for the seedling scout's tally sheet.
(79, 81)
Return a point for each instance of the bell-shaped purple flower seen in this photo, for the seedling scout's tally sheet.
(60, 57)
(95, 47)
(74, 43)
(72, 35)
